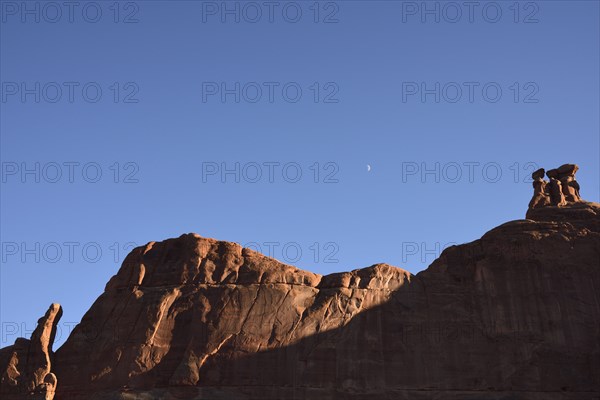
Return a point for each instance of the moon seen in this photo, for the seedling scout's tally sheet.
(368, 167)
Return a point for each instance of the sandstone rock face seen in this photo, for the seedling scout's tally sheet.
(541, 195)
(26, 366)
(176, 306)
(563, 189)
(513, 315)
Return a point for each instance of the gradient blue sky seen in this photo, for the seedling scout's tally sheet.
(169, 58)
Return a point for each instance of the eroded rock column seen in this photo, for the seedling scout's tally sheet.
(26, 366)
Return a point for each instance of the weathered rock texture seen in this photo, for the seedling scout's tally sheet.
(180, 311)
(514, 315)
(26, 366)
(562, 189)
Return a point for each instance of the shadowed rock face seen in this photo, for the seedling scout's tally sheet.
(176, 306)
(513, 315)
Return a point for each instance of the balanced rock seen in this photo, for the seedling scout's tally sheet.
(570, 187)
(562, 190)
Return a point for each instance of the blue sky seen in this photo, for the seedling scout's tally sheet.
(127, 116)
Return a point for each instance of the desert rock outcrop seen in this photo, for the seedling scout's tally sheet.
(562, 189)
(26, 367)
(196, 318)
(514, 315)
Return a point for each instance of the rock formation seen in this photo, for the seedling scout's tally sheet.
(566, 175)
(541, 196)
(196, 318)
(557, 198)
(563, 189)
(26, 366)
(514, 315)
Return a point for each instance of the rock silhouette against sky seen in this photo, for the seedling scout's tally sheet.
(512, 315)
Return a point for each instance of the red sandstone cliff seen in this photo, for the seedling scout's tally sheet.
(513, 315)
